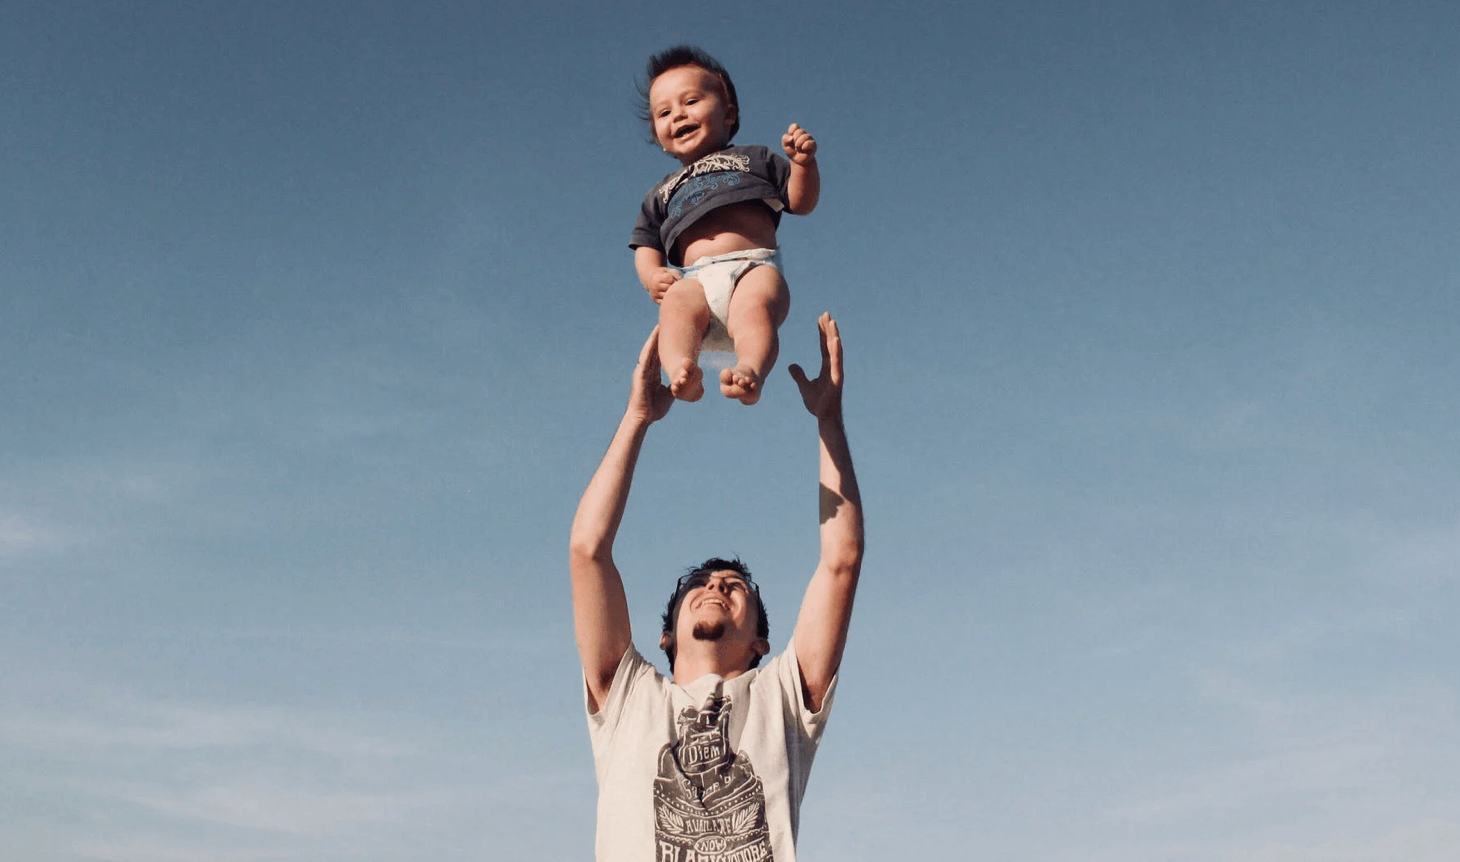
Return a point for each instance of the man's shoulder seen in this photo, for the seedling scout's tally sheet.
(633, 669)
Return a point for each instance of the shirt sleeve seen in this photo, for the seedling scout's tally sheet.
(788, 678)
(646, 227)
(778, 171)
(630, 668)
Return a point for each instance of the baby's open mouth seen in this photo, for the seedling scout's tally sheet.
(685, 131)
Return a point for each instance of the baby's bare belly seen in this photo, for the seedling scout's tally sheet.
(736, 227)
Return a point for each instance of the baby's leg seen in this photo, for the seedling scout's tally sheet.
(757, 309)
(683, 318)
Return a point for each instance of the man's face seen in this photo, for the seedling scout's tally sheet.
(717, 606)
(690, 113)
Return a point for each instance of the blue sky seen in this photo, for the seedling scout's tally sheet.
(316, 317)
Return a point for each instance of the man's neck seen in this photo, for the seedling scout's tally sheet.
(690, 665)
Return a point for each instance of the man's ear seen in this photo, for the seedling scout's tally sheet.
(762, 646)
(666, 639)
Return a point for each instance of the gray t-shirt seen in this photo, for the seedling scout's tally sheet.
(712, 770)
(729, 176)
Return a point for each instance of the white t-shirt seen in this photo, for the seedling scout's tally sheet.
(713, 771)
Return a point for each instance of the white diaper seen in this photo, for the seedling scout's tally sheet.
(719, 274)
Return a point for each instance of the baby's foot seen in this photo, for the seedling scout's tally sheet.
(688, 383)
(740, 383)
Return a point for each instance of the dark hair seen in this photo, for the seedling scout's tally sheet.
(709, 567)
(673, 58)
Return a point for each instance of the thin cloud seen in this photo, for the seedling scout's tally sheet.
(280, 806)
(1426, 839)
(1306, 763)
(21, 537)
(133, 725)
(1429, 557)
(161, 849)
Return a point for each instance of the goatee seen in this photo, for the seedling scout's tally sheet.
(707, 631)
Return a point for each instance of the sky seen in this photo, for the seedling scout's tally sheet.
(315, 319)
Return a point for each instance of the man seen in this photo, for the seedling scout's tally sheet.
(712, 764)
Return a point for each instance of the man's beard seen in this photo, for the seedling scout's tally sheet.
(707, 631)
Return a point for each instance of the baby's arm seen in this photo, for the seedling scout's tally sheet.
(804, 188)
(653, 274)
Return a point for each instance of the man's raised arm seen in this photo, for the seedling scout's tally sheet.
(826, 610)
(600, 610)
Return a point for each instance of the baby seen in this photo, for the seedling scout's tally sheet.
(705, 242)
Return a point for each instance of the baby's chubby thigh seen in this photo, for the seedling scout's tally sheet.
(761, 296)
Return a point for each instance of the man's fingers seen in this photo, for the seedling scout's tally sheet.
(798, 375)
(831, 348)
(650, 353)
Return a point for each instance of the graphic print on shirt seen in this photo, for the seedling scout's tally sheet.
(695, 190)
(713, 163)
(709, 805)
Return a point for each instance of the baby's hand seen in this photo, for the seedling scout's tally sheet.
(800, 147)
(659, 283)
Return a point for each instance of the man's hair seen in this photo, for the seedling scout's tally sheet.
(673, 58)
(709, 567)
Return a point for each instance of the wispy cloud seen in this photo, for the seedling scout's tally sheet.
(21, 536)
(140, 725)
(1303, 766)
(1424, 839)
(82, 505)
(1413, 557)
(217, 783)
(274, 804)
(157, 848)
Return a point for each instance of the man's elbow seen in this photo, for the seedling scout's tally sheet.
(845, 561)
(587, 550)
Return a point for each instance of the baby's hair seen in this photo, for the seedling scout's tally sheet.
(673, 58)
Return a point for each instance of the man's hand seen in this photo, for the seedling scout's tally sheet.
(800, 147)
(823, 396)
(659, 282)
(649, 399)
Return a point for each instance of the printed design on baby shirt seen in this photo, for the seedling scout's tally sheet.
(709, 805)
(713, 163)
(694, 191)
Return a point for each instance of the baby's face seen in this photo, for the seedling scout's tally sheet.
(691, 115)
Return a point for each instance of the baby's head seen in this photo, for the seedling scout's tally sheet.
(684, 60)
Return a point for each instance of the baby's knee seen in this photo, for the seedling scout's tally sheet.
(686, 291)
(685, 300)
